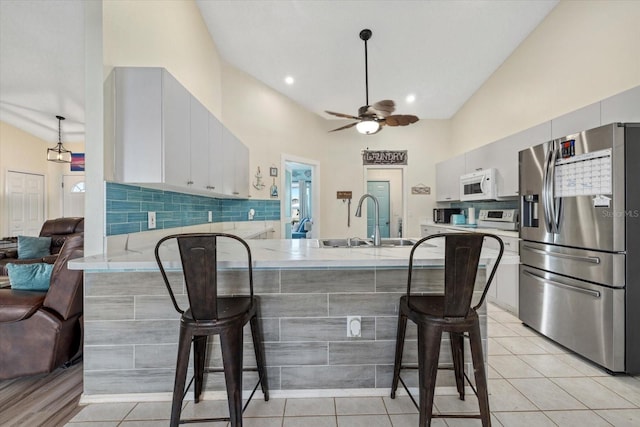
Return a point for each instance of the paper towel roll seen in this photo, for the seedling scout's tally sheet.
(471, 216)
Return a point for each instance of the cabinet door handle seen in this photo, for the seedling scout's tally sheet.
(189, 182)
(236, 193)
(563, 285)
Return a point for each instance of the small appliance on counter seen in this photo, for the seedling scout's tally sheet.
(458, 219)
(443, 215)
(502, 219)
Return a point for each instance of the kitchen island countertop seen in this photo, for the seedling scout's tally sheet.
(278, 253)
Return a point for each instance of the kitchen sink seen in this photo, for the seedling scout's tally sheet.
(345, 243)
(365, 243)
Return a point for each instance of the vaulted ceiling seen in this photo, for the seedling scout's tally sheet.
(439, 51)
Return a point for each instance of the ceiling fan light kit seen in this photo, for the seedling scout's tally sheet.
(59, 154)
(371, 118)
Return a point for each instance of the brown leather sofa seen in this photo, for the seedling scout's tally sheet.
(40, 331)
(59, 229)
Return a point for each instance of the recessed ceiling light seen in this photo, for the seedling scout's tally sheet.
(410, 98)
(289, 80)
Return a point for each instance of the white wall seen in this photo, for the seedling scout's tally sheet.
(584, 51)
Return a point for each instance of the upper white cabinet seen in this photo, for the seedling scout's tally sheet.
(448, 179)
(199, 146)
(505, 153)
(576, 121)
(216, 155)
(624, 107)
(161, 134)
(176, 130)
(235, 175)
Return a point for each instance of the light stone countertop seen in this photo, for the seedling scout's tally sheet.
(496, 231)
(279, 253)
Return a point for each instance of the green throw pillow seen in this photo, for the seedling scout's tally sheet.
(33, 247)
(30, 277)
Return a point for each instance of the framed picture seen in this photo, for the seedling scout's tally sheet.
(77, 162)
(273, 171)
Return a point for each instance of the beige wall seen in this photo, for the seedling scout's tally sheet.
(23, 152)
(584, 51)
(164, 33)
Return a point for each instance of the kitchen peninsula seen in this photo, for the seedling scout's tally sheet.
(306, 292)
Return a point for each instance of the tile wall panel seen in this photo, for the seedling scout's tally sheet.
(131, 330)
(127, 207)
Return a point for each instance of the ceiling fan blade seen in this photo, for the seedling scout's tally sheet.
(344, 127)
(344, 116)
(383, 108)
(400, 120)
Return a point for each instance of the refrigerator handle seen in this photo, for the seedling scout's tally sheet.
(595, 294)
(546, 203)
(555, 207)
(589, 259)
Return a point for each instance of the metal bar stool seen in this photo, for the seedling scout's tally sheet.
(452, 313)
(211, 314)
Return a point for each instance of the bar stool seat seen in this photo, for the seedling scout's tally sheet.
(211, 314)
(452, 313)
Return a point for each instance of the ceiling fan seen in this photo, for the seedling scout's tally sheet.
(371, 118)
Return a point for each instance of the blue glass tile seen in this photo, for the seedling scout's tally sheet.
(116, 194)
(114, 217)
(151, 206)
(125, 228)
(137, 217)
(117, 205)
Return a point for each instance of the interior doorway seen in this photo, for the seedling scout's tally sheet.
(25, 203)
(391, 197)
(300, 203)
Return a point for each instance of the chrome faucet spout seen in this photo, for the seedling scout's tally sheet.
(376, 228)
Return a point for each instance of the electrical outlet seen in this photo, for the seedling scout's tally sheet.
(354, 327)
(210, 217)
(151, 220)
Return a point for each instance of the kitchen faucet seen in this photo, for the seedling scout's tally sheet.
(376, 228)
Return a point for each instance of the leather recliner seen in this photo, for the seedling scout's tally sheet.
(42, 330)
(59, 229)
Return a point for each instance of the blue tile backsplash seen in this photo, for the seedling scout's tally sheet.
(127, 207)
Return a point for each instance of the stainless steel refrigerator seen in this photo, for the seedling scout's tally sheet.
(580, 243)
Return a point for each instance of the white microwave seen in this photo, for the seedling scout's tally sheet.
(479, 185)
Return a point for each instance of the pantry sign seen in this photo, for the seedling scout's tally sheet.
(384, 157)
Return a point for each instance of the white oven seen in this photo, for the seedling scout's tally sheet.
(480, 185)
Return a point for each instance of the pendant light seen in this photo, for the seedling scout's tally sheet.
(59, 154)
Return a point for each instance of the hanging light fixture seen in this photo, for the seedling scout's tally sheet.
(59, 154)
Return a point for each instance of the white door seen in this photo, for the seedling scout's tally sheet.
(25, 196)
(73, 195)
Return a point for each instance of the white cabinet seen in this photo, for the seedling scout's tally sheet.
(235, 173)
(199, 146)
(480, 159)
(175, 124)
(163, 136)
(216, 155)
(576, 121)
(448, 179)
(623, 107)
(504, 288)
(506, 151)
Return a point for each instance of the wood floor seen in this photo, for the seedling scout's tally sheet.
(41, 400)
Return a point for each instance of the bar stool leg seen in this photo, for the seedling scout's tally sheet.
(402, 329)
(457, 353)
(429, 337)
(182, 363)
(231, 343)
(479, 372)
(199, 358)
(258, 347)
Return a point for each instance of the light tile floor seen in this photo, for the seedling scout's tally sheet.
(532, 382)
